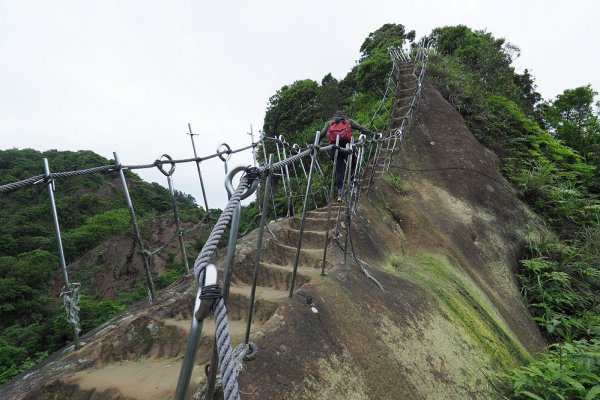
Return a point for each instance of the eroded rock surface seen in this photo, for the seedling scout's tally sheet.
(444, 245)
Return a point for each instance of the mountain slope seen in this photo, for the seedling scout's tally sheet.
(443, 245)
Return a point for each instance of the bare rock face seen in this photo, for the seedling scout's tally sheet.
(441, 230)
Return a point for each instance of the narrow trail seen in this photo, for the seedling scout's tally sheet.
(138, 354)
(153, 374)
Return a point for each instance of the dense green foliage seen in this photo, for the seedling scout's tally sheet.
(91, 208)
(549, 152)
(298, 110)
(567, 371)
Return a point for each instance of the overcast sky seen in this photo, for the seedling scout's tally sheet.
(127, 76)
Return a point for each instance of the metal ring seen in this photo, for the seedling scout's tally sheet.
(296, 147)
(282, 140)
(226, 151)
(160, 166)
(229, 185)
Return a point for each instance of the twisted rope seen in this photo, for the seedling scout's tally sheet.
(243, 352)
(21, 184)
(222, 337)
(107, 168)
(81, 172)
(71, 296)
(39, 178)
(228, 372)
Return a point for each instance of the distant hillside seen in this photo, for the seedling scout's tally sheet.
(91, 208)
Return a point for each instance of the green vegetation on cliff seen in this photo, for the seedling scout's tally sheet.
(549, 151)
(298, 110)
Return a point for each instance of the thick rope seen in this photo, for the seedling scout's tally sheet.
(71, 296)
(21, 184)
(243, 352)
(229, 377)
(35, 179)
(108, 168)
(215, 235)
(228, 372)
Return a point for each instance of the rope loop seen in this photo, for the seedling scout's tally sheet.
(226, 151)
(251, 352)
(159, 164)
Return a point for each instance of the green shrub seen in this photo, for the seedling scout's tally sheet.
(20, 367)
(567, 371)
(397, 183)
(561, 288)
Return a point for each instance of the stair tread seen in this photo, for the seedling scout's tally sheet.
(302, 249)
(263, 292)
(236, 327)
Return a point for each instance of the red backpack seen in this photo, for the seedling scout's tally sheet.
(342, 128)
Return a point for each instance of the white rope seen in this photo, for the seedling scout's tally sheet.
(71, 296)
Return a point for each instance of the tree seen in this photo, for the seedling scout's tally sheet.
(529, 97)
(486, 58)
(384, 37)
(572, 119)
(293, 108)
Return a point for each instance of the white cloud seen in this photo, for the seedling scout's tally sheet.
(128, 76)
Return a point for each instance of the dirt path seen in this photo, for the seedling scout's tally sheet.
(154, 376)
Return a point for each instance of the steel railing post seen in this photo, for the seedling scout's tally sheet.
(138, 235)
(287, 174)
(303, 219)
(187, 365)
(348, 198)
(61, 253)
(198, 168)
(169, 175)
(337, 143)
(263, 219)
(290, 211)
(272, 196)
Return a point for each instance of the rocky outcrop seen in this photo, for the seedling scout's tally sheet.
(441, 230)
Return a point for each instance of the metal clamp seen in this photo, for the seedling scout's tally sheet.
(282, 140)
(229, 185)
(203, 307)
(159, 165)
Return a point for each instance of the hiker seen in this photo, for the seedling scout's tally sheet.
(342, 126)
